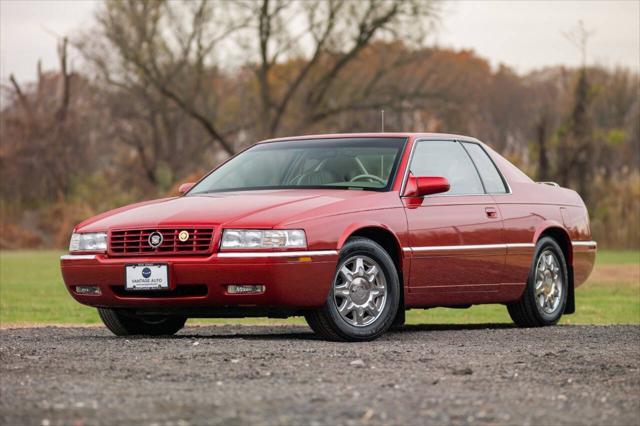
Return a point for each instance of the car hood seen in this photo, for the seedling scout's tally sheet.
(259, 209)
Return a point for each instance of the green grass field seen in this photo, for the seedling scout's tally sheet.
(32, 292)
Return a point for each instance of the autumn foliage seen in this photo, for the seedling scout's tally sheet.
(168, 90)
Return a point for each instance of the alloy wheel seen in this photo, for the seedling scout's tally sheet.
(549, 285)
(360, 291)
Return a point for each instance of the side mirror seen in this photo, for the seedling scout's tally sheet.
(185, 187)
(425, 185)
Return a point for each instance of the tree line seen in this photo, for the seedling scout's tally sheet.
(167, 90)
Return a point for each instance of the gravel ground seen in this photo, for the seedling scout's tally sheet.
(238, 375)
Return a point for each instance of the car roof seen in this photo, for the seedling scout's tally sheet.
(432, 136)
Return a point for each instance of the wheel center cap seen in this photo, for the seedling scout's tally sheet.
(359, 291)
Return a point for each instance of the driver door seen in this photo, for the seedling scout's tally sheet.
(456, 238)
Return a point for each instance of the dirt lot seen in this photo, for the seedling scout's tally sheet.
(236, 375)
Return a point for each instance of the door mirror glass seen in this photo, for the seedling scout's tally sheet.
(419, 186)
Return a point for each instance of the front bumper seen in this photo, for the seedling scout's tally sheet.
(292, 280)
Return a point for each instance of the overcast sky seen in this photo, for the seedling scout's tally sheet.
(522, 34)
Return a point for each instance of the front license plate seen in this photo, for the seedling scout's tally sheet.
(147, 277)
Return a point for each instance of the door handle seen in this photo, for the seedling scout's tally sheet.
(491, 212)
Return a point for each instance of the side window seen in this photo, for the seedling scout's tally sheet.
(447, 159)
(493, 182)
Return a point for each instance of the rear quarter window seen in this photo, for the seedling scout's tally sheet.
(493, 182)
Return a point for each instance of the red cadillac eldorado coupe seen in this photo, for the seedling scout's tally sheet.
(349, 230)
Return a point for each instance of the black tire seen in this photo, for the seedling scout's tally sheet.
(526, 312)
(122, 323)
(398, 322)
(330, 325)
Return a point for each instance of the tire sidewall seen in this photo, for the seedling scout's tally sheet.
(371, 249)
(551, 245)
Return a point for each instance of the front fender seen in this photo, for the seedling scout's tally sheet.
(357, 226)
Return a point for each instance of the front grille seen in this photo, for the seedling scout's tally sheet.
(135, 242)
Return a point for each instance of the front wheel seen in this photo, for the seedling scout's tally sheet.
(122, 323)
(364, 297)
(545, 295)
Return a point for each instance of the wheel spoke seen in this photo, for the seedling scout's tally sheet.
(342, 292)
(372, 309)
(345, 308)
(359, 267)
(372, 273)
(359, 316)
(376, 292)
(346, 273)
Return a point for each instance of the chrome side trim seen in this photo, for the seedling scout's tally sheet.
(591, 244)
(456, 248)
(78, 257)
(521, 245)
(278, 254)
(469, 247)
(584, 244)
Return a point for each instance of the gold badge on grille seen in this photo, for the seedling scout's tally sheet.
(183, 236)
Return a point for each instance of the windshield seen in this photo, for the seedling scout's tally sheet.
(348, 163)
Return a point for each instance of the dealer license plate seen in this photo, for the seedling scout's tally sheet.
(147, 277)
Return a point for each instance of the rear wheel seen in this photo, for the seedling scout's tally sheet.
(364, 297)
(122, 323)
(545, 295)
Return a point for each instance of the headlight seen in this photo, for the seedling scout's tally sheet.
(94, 241)
(263, 239)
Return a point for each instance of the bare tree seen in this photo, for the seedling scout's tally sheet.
(45, 134)
(297, 51)
(330, 37)
(576, 151)
(166, 46)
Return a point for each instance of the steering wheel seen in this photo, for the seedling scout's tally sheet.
(368, 176)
